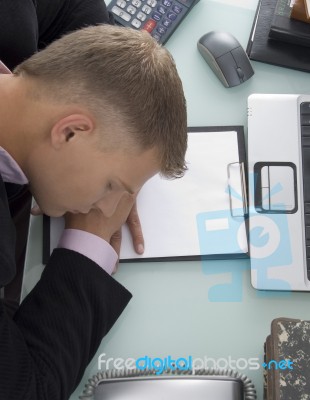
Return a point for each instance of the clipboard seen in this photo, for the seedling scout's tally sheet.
(202, 215)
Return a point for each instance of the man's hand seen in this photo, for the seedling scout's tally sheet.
(109, 228)
(95, 222)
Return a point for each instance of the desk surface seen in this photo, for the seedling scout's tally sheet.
(199, 309)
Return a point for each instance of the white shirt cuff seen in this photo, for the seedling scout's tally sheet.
(91, 246)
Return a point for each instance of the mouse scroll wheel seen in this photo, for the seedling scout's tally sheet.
(240, 73)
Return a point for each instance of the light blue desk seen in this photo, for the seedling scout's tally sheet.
(177, 308)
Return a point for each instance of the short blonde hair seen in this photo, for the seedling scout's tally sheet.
(124, 77)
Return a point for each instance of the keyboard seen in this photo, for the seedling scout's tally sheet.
(305, 145)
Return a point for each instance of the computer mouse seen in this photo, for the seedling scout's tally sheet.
(225, 56)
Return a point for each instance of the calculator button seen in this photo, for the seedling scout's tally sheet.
(146, 9)
(136, 23)
(161, 9)
(149, 25)
(167, 3)
(177, 9)
(166, 22)
(120, 13)
(156, 16)
(161, 29)
(136, 3)
(141, 16)
(131, 9)
(156, 36)
(152, 3)
(121, 3)
(171, 15)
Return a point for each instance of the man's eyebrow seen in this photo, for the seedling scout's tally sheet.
(128, 189)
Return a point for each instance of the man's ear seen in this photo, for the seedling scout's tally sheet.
(70, 128)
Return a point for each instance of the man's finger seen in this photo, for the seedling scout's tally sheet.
(134, 225)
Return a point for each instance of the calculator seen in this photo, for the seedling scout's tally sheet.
(158, 17)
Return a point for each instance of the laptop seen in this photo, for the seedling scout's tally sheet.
(279, 191)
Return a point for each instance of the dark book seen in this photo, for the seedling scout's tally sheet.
(287, 29)
(287, 359)
(261, 48)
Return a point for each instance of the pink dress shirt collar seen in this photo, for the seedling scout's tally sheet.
(10, 170)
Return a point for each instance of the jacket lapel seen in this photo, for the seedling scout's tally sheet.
(7, 239)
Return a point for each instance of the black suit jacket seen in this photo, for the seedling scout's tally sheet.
(57, 329)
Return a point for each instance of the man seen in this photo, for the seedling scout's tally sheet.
(25, 27)
(86, 122)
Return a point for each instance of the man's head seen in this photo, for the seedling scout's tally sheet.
(108, 113)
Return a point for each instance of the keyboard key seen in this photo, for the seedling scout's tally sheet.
(308, 268)
(167, 3)
(306, 172)
(149, 25)
(307, 219)
(136, 3)
(120, 13)
(305, 108)
(308, 235)
(305, 141)
(305, 130)
(307, 208)
(305, 119)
